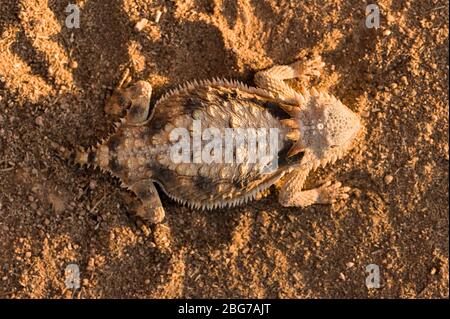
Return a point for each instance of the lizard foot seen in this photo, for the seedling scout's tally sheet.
(132, 102)
(329, 193)
(305, 69)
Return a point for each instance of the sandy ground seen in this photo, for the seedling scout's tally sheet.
(53, 84)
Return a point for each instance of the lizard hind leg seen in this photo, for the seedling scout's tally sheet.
(132, 102)
(148, 205)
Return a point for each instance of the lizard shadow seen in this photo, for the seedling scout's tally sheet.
(186, 56)
(12, 17)
(23, 47)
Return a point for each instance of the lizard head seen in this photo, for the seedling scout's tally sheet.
(326, 128)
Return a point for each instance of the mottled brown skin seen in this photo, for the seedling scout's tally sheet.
(137, 153)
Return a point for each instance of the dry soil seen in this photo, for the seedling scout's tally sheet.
(53, 84)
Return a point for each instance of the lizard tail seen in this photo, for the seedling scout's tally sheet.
(78, 156)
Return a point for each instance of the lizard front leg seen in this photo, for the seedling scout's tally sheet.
(292, 195)
(273, 78)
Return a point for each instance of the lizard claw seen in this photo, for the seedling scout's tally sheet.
(306, 69)
(330, 193)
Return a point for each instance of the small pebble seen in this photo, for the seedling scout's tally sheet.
(73, 64)
(386, 32)
(147, 281)
(92, 184)
(158, 16)
(350, 264)
(141, 24)
(433, 271)
(342, 276)
(365, 113)
(388, 179)
(404, 80)
(39, 121)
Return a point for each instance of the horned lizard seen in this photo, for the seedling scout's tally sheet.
(312, 129)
